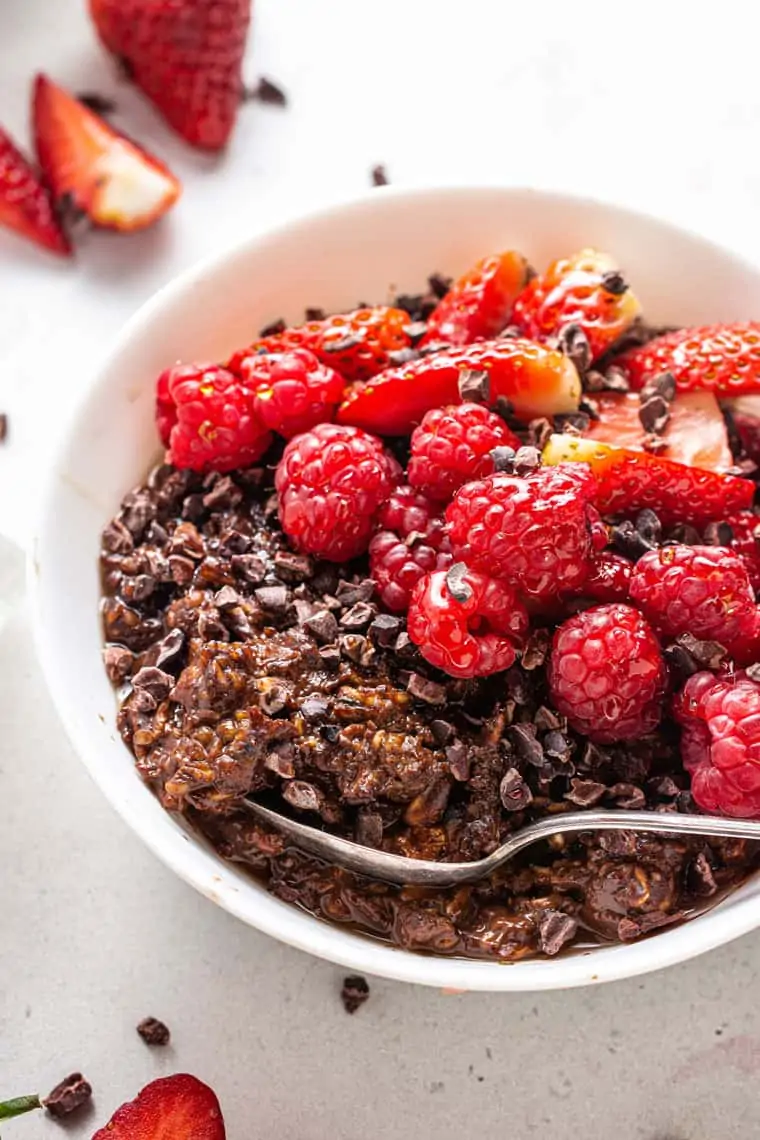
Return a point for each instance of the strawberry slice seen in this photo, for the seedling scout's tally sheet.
(724, 359)
(629, 480)
(356, 344)
(479, 304)
(587, 290)
(92, 168)
(695, 433)
(537, 381)
(25, 204)
(172, 1108)
(745, 413)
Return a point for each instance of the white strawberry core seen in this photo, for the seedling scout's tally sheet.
(130, 191)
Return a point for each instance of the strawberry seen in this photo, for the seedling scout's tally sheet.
(629, 480)
(479, 304)
(745, 413)
(94, 169)
(172, 1108)
(355, 344)
(587, 290)
(186, 55)
(724, 359)
(537, 381)
(25, 204)
(695, 434)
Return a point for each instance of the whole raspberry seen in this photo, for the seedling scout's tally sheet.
(609, 579)
(452, 446)
(411, 542)
(745, 541)
(599, 534)
(166, 411)
(606, 673)
(532, 531)
(330, 483)
(214, 427)
(720, 742)
(703, 590)
(466, 624)
(292, 391)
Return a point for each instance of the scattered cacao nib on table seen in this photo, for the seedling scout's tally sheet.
(266, 91)
(3, 426)
(355, 992)
(379, 175)
(70, 1095)
(153, 1031)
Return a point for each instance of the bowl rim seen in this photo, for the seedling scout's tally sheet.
(305, 932)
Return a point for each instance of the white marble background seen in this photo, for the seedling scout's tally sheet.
(658, 107)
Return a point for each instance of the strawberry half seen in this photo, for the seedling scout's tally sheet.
(25, 204)
(587, 290)
(172, 1108)
(185, 55)
(537, 381)
(479, 304)
(695, 434)
(92, 168)
(724, 359)
(355, 344)
(629, 480)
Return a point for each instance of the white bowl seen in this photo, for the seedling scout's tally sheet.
(385, 240)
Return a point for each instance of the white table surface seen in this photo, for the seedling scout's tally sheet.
(94, 934)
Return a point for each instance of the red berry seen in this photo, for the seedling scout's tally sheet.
(720, 742)
(466, 624)
(703, 590)
(453, 445)
(357, 344)
(599, 534)
(292, 391)
(410, 543)
(724, 359)
(586, 290)
(745, 541)
(609, 578)
(330, 483)
(166, 409)
(606, 674)
(532, 531)
(215, 428)
(479, 304)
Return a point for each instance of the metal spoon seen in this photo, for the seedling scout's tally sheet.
(422, 872)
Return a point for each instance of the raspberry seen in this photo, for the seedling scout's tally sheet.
(214, 427)
(465, 623)
(411, 543)
(609, 579)
(532, 531)
(330, 483)
(745, 541)
(703, 590)
(292, 391)
(599, 535)
(720, 742)
(606, 673)
(452, 446)
(166, 412)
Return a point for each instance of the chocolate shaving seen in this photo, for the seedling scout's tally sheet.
(439, 284)
(268, 92)
(709, 654)
(663, 385)
(474, 386)
(514, 792)
(459, 589)
(654, 415)
(379, 175)
(71, 1094)
(153, 1031)
(355, 992)
(573, 341)
(615, 283)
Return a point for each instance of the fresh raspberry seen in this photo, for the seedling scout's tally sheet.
(703, 590)
(532, 531)
(356, 344)
(609, 579)
(166, 409)
(745, 541)
(466, 624)
(599, 534)
(292, 391)
(453, 445)
(214, 427)
(330, 483)
(411, 542)
(479, 304)
(606, 674)
(720, 742)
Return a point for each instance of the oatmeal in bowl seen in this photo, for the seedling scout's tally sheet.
(477, 551)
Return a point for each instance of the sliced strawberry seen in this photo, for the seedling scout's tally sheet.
(724, 359)
(172, 1108)
(695, 433)
(187, 57)
(536, 381)
(356, 344)
(479, 304)
(91, 167)
(25, 204)
(745, 413)
(631, 480)
(586, 289)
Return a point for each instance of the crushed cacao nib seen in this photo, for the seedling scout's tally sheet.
(439, 284)
(355, 992)
(654, 415)
(71, 1094)
(100, 104)
(153, 1031)
(573, 341)
(379, 175)
(3, 426)
(266, 91)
